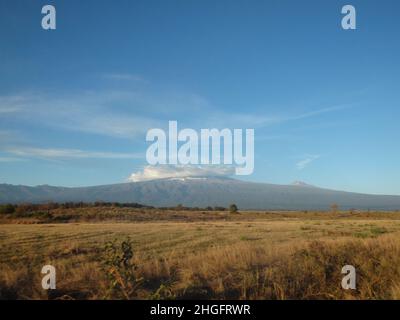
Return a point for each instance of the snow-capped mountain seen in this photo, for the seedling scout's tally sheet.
(301, 184)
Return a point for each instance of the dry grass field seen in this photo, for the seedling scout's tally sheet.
(199, 254)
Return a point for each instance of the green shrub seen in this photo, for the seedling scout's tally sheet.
(233, 208)
(121, 272)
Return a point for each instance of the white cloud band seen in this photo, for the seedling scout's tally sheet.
(167, 171)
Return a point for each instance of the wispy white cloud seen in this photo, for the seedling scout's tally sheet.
(124, 114)
(10, 159)
(12, 104)
(114, 125)
(307, 161)
(129, 114)
(108, 113)
(48, 153)
(318, 112)
(262, 120)
(168, 171)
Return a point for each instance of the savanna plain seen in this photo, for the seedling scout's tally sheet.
(113, 252)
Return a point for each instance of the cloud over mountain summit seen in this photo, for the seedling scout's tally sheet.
(170, 171)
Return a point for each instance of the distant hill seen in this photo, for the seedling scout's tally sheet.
(202, 192)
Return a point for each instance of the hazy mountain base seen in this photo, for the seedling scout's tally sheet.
(202, 192)
(242, 256)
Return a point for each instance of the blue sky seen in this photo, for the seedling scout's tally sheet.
(76, 102)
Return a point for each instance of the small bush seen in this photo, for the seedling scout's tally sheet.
(233, 208)
(121, 271)
(376, 231)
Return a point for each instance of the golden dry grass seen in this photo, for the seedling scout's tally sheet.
(213, 255)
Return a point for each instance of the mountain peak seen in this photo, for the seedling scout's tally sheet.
(301, 184)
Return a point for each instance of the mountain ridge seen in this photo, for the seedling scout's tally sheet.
(203, 192)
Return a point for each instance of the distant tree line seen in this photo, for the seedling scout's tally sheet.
(34, 207)
(181, 207)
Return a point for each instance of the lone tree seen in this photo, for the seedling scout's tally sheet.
(334, 207)
(233, 208)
